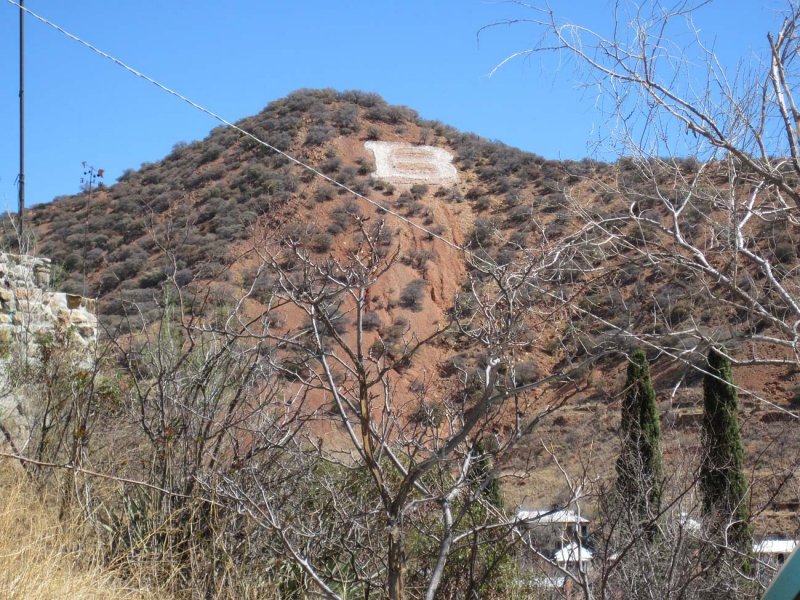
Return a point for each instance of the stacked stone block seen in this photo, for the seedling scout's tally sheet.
(28, 307)
(28, 312)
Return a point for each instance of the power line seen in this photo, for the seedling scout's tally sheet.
(379, 205)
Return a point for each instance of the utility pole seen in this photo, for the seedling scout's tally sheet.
(21, 179)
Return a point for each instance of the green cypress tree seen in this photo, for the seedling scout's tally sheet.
(639, 468)
(722, 480)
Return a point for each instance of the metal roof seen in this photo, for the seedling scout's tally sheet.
(775, 546)
(551, 516)
(572, 553)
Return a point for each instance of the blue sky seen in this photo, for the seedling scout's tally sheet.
(235, 56)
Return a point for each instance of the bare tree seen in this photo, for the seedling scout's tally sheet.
(724, 217)
(420, 515)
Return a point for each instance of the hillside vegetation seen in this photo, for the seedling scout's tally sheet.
(318, 389)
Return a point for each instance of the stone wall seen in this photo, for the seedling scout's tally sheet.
(28, 308)
(29, 311)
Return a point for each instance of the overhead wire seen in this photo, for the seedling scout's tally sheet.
(388, 210)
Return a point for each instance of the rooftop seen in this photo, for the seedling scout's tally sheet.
(775, 546)
(572, 553)
(566, 517)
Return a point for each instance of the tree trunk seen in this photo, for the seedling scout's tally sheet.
(397, 562)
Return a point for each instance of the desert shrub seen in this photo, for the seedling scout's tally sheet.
(150, 175)
(346, 119)
(352, 208)
(318, 134)
(209, 209)
(418, 258)
(418, 190)
(526, 372)
(151, 278)
(212, 152)
(337, 323)
(505, 256)
(127, 174)
(482, 233)
(519, 214)
(129, 267)
(501, 185)
(679, 313)
(482, 204)
(390, 114)
(435, 229)
(404, 200)
(338, 223)
(365, 99)
(412, 294)
(360, 187)
(795, 397)
(519, 238)
(94, 257)
(396, 330)
(429, 414)
(72, 262)
(363, 167)
(454, 195)
(321, 242)
(108, 282)
(347, 175)
(331, 165)
(511, 200)
(474, 193)
(382, 234)
(324, 193)
(377, 349)
(454, 365)
(415, 208)
(184, 277)
(370, 321)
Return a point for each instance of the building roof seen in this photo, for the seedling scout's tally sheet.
(775, 546)
(572, 553)
(566, 517)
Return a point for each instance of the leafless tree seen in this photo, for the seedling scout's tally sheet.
(722, 219)
(420, 514)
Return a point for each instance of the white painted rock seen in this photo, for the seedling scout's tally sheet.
(403, 163)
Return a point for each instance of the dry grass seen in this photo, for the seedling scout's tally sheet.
(39, 556)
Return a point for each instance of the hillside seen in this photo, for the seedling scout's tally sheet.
(521, 269)
(218, 189)
(194, 215)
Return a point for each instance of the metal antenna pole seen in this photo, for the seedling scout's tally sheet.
(21, 123)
